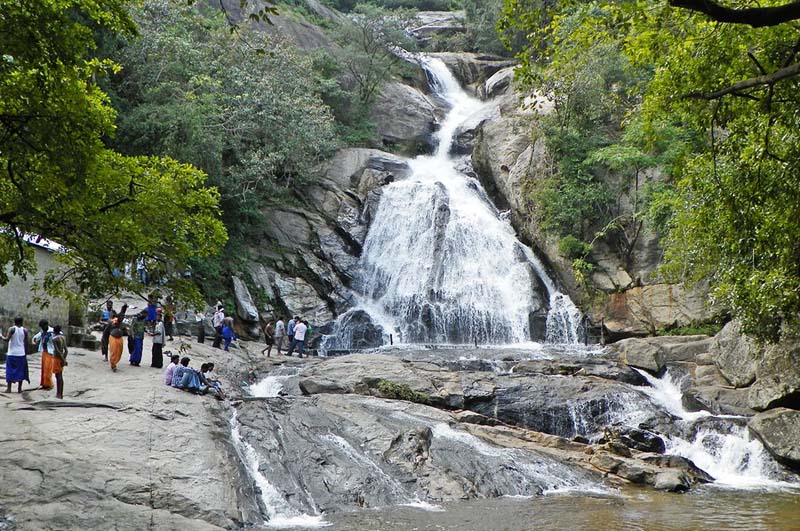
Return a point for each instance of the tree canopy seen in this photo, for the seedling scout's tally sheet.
(725, 78)
(58, 178)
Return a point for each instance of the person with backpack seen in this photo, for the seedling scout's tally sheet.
(44, 345)
(16, 358)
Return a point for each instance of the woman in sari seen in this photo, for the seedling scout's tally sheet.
(44, 342)
(115, 342)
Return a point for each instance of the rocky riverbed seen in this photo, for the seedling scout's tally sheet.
(305, 440)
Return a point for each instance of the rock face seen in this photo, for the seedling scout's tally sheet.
(778, 377)
(644, 309)
(405, 119)
(736, 355)
(652, 353)
(779, 430)
(432, 23)
(309, 260)
(121, 451)
(543, 401)
(354, 451)
(246, 310)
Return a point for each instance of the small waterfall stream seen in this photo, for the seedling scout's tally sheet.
(440, 265)
(723, 449)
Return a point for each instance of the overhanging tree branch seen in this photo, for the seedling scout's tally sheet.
(768, 79)
(757, 17)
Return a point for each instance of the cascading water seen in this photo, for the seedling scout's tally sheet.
(730, 455)
(442, 263)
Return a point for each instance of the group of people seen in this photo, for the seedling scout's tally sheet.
(48, 342)
(223, 328)
(158, 320)
(296, 330)
(178, 374)
(154, 318)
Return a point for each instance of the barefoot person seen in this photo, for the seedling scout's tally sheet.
(115, 342)
(16, 360)
(269, 338)
(159, 338)
(280, 333)
(59, 359)
(44, 345)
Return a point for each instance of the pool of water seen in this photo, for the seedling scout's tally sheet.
(707, 508)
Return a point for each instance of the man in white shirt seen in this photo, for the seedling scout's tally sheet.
(280, 333)
(16, 360)
(217, 320)
(299, 339)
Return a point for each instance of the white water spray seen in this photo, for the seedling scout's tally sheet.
(733, 457)
(279, 513)
(442, 262)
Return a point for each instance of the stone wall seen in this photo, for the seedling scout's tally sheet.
(16, 298)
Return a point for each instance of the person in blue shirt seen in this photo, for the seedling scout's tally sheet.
(227, 332)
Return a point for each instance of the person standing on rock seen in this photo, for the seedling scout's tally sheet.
(290, 329)
(269, 338)
(16, 358)
(44, 341)
(159, 338)
(216, 321)
(299, 339)
(170, 308)
(137, 333)
(200, 317)
(115, 342)
(280, 333)
(152, 313)
(227, 332)
(59, 359)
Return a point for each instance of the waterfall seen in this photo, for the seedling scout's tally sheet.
(279, 513)
(727, 452)
(440, 264)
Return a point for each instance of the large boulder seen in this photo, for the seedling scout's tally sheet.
(246, 309)
(736, 355)
(653, 353)
(644, 309)
(405, 118)
(779, 430)
(300, 298)
(778, 377)
(432, 23)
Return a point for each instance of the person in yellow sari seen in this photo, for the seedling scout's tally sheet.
(44, 345)
(115, 342)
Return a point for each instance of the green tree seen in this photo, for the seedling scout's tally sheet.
(58, 179)
(727, 76)
(252, 120)
(369, 46)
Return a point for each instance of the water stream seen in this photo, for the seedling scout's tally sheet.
(440, 265)
(724, 449)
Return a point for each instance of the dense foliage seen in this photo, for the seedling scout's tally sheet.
(712, 101)
(60, 181)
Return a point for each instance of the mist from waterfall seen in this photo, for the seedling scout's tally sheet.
(440, 265)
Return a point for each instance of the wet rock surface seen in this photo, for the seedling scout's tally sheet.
(779, 430)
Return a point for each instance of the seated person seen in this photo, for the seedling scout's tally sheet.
(207, 380)
(179, 371)
(170, 372)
